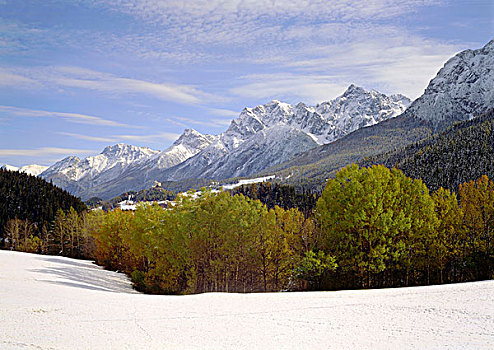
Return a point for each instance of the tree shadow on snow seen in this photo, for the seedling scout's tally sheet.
(85, 276)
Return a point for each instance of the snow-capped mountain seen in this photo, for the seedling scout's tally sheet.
(463, 88)
(9, 167)
(324, 122)
(187, 145)
(32, 169)
(260, 137)
(113, 158)
(76, 175)
(270, 134)
(118, 161)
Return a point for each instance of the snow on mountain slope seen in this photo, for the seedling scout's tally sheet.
(324, 122)
(130, 165)
(74, 174)
(187, 145)
(260, 137)
(267, 147)
(270, 134)
(119, 156)
(10, 167)
(51, 302)
(32, 169)
(463, 88)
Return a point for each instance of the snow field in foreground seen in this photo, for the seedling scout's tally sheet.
(50, 302)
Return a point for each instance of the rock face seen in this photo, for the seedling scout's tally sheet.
(75, 174)
(187, 145)
(463, 89)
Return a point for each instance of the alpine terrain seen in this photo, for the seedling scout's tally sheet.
(462, 90)
(259, 138)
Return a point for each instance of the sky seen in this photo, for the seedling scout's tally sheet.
(79, 75)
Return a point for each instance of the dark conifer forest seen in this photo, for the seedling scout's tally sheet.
(464, 152)
(27, 197)
(284, 196)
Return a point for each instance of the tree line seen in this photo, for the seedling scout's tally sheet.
(371, 227)
(215, 242)
(284, 196)
(32, 200)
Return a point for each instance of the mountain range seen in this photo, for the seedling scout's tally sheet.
(260, 137)
(300, 144)
(462, 90)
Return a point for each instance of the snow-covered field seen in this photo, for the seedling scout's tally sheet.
(49, 302)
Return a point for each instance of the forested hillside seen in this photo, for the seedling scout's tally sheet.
(464, 152)
(311, 169)
(284, 196)
(32, 199)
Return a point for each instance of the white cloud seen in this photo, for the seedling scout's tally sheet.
(292, 87)
(82, 78)
(71, 117)
(224, 112)
(393, 62)
(11, 79)
(158, 137)
(214, 122)
(42, 152)
(88, 137)
(202, 12)
(150, 138)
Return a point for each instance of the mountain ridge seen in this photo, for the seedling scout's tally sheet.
(259, 137)
(449, 98)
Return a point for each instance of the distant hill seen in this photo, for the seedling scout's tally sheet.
(311, 169)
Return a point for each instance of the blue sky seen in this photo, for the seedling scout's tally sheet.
(78, 75)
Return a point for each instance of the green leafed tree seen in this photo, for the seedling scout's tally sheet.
(377, 223)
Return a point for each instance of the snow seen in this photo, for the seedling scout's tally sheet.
(32, 169)
(258, 138)
(10, 167)
(247, 182)
(49, 302)
(461, 90)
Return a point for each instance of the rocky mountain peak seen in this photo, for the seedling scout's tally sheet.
(462, 89)
(193, 140)
(354, 90)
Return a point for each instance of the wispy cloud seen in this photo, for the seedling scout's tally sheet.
(391, 61)
(213, 122)
(153, 138)
(146, 138)
(81, 78)
(43, 152)
(224, 112)
(88, 137)
(292, 87)
(11, 79)
(93, 80)
(70, 117)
